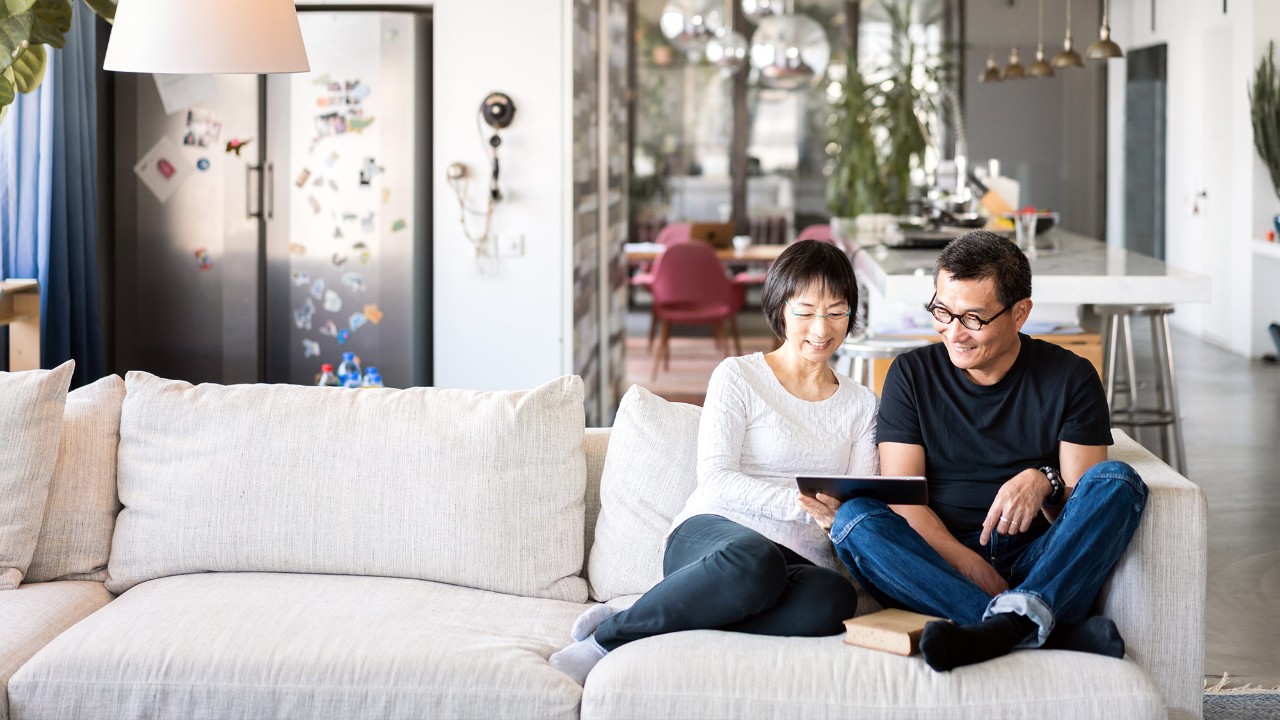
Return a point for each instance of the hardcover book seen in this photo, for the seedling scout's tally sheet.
(895, 631)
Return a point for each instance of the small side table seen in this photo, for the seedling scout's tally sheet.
(20, 310)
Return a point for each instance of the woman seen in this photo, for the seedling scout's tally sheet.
(744, 555)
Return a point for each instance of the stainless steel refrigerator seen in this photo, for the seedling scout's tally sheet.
(279, 221)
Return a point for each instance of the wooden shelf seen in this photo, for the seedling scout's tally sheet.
(20, 309)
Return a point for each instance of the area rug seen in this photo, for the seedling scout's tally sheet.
(1249, 702)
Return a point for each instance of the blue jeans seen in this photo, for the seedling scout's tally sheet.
(1052, 578)
(721, 575)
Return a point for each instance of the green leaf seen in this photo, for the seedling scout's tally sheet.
(105, 8)
(52, 21)
(6, 88)
(17, 7)
(28, 69)
(14, 34)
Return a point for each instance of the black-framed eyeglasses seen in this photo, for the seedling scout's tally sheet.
(970, 320)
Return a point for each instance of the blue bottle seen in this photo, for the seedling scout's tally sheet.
(372, 378)
(349, 370)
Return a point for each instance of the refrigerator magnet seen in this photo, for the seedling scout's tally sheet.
(202, 260)
(355, 281)
(343, 336)
(301, 277)
(372, 314)
(332, 302)
(163, 169)
(356, 321)
(329, 329)
(310, 348)
(317, 288)
(302, 316)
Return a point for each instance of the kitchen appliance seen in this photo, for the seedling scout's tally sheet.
(298, 222)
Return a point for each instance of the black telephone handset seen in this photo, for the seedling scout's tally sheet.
(498, 110)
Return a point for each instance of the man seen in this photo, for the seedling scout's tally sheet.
(1026, 517)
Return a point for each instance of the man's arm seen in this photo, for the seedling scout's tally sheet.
(904, 459)
(1076, 461)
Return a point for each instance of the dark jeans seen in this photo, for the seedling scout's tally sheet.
(1054, 577)
(720, 575)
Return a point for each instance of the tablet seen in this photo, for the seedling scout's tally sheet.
(913, 490)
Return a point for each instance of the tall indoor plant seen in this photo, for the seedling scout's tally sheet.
(1264, 103)
(26, 26)
(883, 119)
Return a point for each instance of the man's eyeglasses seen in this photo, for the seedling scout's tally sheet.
(806, 316)
(970, 320)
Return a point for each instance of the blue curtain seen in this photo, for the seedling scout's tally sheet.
(49, 198)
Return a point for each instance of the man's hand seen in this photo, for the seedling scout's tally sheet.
(972, 566)
(822, 508)
(1016, 505)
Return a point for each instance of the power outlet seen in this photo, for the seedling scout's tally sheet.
(511, 245)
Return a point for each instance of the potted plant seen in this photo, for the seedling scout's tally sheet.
(1264, 103)
(26, 26)
(883, 119)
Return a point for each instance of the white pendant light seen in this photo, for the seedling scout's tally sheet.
(206, 37)
(789, 51)
(757, 10)
(727, 50)
(689, 24)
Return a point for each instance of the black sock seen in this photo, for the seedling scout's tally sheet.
(946, 646)
(1097, 635)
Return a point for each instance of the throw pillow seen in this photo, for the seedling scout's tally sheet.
(31, 405)
(75, 539)
(651, 469)
(480, 489)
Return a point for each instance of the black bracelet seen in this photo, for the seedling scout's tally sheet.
(1056, 482)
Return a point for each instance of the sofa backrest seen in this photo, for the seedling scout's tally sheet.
(477, 489)
(80, 515)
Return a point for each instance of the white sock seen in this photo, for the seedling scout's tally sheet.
(578, 659)
(588, 621)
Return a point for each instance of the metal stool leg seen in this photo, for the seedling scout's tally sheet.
(1164, 352)
(1111, 329)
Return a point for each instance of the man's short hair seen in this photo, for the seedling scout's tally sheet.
(806, 264)
(981, 254)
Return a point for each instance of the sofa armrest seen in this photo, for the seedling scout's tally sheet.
(1156, 596)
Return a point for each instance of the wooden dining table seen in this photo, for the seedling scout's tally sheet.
(647, 252)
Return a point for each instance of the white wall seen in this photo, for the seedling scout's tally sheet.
(1211, 57)
(504, 326)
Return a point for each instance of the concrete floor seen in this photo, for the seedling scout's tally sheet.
(1231, 411)
(1231, 428)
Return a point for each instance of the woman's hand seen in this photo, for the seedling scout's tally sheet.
(822, 508)
(1016, 505)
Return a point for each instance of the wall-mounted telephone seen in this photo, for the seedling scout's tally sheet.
(497, 111)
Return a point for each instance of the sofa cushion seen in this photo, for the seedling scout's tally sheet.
(710, 674)
(75, 538)
(247, 645)
(481, 489)
(31, 405)
(34, 614)
(650, 471)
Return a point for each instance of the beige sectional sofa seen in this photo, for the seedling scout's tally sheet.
(316, 552)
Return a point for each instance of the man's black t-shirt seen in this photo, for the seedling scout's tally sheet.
(975, 437)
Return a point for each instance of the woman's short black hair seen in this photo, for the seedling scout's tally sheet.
(800, 267)
(982, 254)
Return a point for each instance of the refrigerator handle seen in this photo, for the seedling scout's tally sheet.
(271, 191)
(249, 170)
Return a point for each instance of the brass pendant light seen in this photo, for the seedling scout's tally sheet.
(1014, 70)
(992, 73)
(1040, 68)
(1068, 57)
(1103, 47)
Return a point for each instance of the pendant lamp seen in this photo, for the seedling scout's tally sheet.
(992, 73)
(200, 37)
(757, 10)
(689, 24)
(1103, 47)
(1068, 57)
(1040, 68)
(1014, 70)
(789, 51)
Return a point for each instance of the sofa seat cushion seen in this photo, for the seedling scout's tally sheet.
(34, 614)
(257, 645)
(711, 674)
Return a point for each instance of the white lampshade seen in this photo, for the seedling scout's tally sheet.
(789, 52)
(199, 37)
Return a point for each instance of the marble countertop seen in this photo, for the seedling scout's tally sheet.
(1081, 271)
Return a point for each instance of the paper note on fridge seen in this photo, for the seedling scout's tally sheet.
(179, 92)
(164, 168)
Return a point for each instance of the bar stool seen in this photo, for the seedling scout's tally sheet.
(1117, 330)
(860, 350)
